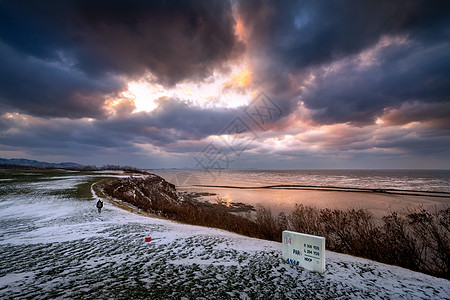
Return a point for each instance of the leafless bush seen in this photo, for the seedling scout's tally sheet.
(397, 244)
(270, 227)
(432, 231)
(419, 240)
(306, 219)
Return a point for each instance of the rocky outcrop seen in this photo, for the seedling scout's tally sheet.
(154, 195)
(149, 192)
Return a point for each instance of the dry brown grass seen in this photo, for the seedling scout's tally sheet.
(415, 239)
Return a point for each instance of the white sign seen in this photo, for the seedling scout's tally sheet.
(304, 250)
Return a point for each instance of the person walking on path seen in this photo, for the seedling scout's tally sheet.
(99, 205)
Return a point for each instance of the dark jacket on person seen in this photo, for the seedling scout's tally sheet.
(99, 204)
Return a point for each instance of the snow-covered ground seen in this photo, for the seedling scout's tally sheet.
(56, 246)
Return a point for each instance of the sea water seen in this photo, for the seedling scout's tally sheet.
(433, 187)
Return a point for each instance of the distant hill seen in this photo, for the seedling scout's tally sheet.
(22, 162)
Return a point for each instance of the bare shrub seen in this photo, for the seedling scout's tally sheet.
(419, 241)
(432, 231)
(270, 227)
(306, 219)
(353, 231)
(398, 246)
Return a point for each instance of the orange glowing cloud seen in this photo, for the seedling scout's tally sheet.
(239, 81)
(414, 113)
(239, 29)
(119, 107)
(336, 135)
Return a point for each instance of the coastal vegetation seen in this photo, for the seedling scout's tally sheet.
(416, 239)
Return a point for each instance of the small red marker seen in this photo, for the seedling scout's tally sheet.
(148, 239)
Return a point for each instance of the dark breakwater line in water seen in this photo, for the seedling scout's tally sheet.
(337, 189)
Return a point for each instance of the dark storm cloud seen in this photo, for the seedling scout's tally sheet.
(173, 124)
(176, 40)
(305, 33)
(53, 46)
(58, 134)
(436, 115)
(39, 88)
(296, 38)
(350, 93)
(173, 120)
(420, 143)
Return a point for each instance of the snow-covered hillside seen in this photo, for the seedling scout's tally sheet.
(57, 246)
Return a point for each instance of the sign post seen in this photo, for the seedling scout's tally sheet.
(304, 250)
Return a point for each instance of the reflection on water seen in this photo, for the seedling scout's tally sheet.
(285, 200)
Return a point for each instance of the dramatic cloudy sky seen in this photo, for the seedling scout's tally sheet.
(218, 84)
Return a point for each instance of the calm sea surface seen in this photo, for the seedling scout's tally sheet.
(285, 199)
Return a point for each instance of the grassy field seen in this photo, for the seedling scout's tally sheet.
(14, 181)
